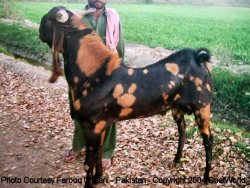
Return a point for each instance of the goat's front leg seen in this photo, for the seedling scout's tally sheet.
(99, 169)
(179, 119)
(202, 118)
(92, 143)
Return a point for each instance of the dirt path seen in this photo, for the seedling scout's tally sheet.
(36, 130)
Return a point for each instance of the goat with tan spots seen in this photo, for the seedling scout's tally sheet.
(105, 91)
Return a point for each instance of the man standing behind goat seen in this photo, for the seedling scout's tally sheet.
(106, 23)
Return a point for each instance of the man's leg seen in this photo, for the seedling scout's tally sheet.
(109, 146)
(78, 142)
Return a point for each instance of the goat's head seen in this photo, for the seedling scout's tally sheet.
(52, 30)
(59, 20)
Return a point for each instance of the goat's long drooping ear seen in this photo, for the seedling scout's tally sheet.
(56, 67)
(58, 37)
(81, 13)
(57, 47)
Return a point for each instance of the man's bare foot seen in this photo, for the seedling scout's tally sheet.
(106, 163)
(72, 155)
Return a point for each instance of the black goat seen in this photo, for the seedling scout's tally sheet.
(105, 91)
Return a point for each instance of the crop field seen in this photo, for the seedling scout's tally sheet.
(224, 30)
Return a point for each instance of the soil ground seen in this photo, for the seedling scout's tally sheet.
(36, 131)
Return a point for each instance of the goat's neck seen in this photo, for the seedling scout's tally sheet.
(87, 59)
(78, 23)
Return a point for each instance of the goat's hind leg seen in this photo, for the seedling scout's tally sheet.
(179, 119)
(202, 117)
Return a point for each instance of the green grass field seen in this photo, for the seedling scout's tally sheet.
(224, 30)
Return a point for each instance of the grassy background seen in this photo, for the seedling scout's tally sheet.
(21, 38)
(224, 30)
(232, 89)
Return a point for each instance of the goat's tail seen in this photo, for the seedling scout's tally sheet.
(203, 56)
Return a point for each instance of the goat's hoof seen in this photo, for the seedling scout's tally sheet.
(88, 185)
(96, 180)
(177, 161)
(206, 180)
(53, 79)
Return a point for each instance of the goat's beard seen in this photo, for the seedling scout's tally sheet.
(97, 4)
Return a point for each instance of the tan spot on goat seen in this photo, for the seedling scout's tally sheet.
(126, 100)
(86, 85)
(205, 115)
(99, 127)
(172, 83)
(178, 96)
(199, 88)
(85, 92)
(198, 81)
(130, 71)
(76, 79)
(181, 76)
(125, 112)
(77, 104)
(172, 67)
(118, 91)
(145, 71)
(165, 96)
(92, 54)
(77, 23)
(132, 88)
(114, 63)
(208, 88)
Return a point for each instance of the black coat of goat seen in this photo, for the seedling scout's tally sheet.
(105, 91)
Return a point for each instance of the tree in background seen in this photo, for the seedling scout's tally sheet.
(9, 10)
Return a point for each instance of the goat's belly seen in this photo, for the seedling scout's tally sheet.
(143, 110)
